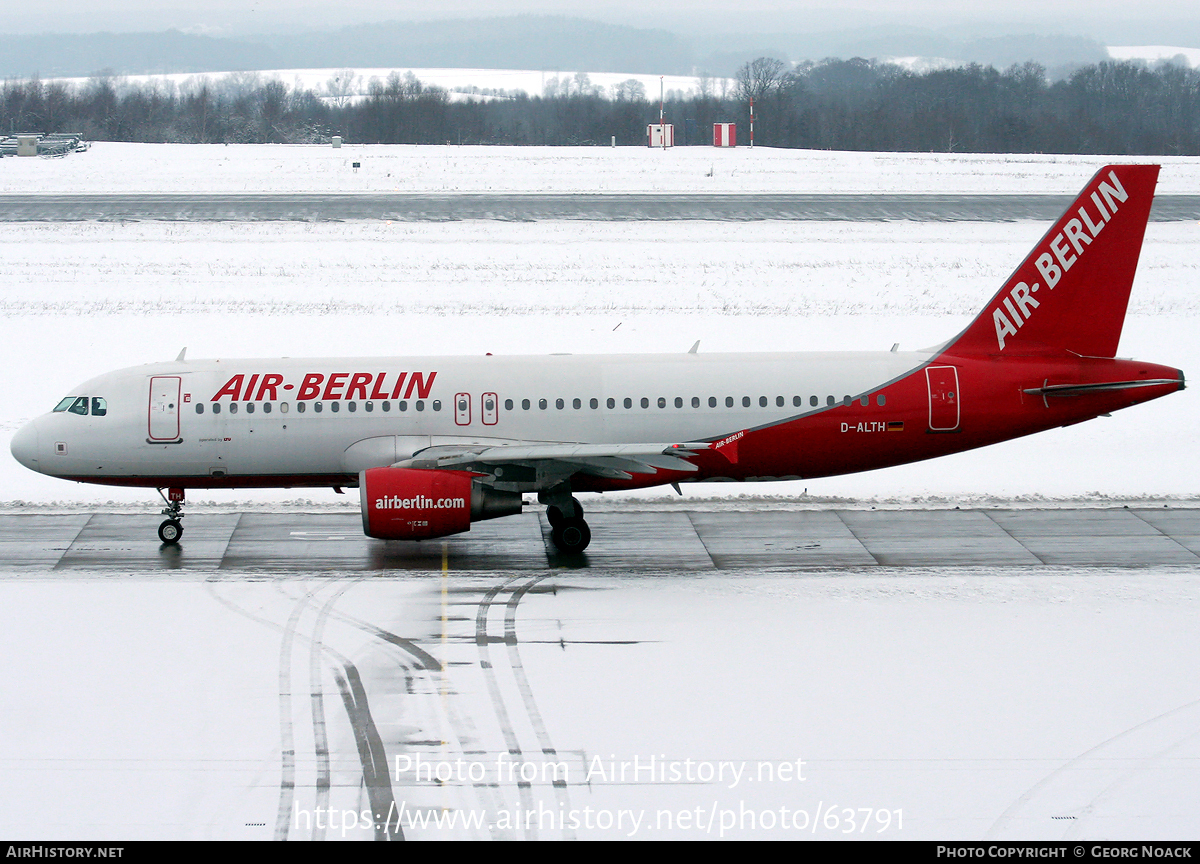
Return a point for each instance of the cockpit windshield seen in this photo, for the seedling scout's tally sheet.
(79, 405)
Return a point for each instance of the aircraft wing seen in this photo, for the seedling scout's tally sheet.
(602, 460)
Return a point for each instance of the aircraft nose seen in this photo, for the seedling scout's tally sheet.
(25, 446)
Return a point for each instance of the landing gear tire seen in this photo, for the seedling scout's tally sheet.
(555, 517)
(170, 531)
(571, 536)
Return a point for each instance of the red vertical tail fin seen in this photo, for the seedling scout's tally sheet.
(1070, 294)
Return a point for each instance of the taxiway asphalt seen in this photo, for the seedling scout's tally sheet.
(680, 541)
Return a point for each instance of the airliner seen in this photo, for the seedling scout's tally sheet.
(435, 443)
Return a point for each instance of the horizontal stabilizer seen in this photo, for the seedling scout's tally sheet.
(1082, 389)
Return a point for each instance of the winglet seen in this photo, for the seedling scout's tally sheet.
(695, 347)
(179, 359)
(1070, 294)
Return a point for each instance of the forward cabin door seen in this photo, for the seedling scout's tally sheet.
(943, 398)
(164, 408)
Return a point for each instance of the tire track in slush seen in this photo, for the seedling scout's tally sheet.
(357, 707)
(524, 790)
(1093, 753)
(482, 642)
(316, 686)
(463, 729)
(535, 716)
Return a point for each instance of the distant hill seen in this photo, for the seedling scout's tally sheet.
(519, 42)
(74, 55)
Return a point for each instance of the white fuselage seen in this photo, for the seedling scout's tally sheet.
(303, 422)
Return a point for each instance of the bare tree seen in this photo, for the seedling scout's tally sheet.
(629, 90)
(759, 78)
(342, 86)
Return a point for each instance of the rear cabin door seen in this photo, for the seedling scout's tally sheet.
(164, 408)
(943, 398)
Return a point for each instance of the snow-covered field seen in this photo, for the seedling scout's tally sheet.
(79, 298)
(1006, 705)
(1152, 53)
(188, 168)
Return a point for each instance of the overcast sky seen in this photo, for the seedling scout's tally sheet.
(1111, 21)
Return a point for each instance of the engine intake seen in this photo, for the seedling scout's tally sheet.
(416, 504)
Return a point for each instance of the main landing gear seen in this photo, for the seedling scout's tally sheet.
(171, 530)
(569, 533)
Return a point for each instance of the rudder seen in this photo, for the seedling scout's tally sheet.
(1071, 292)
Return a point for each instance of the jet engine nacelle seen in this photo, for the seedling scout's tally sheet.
(416, 504)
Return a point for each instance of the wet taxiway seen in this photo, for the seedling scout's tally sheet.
(655, 541)
(524, 207)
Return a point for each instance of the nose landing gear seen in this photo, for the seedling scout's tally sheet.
(171, 530)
